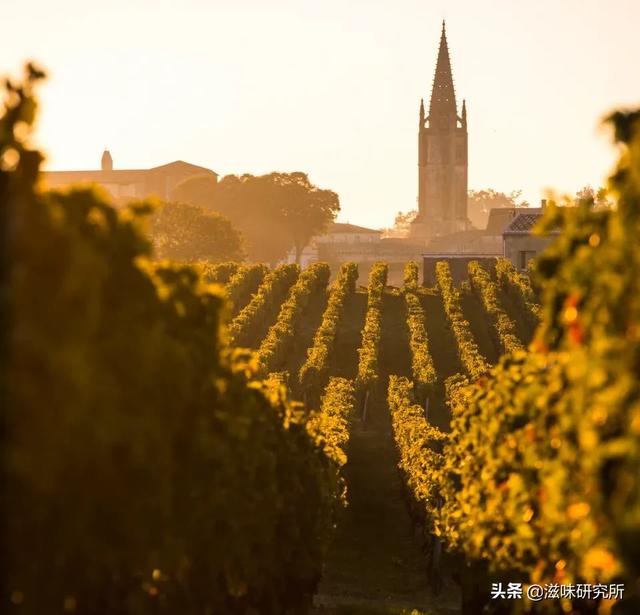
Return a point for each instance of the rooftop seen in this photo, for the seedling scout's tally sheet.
(128, 174)
(345, 227)
(523, 223)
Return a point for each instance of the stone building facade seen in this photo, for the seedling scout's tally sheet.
(126, 184)
(521, 245)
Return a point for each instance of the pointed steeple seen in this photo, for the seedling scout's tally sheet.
(464, 113)
(421, 113)
(443, 97)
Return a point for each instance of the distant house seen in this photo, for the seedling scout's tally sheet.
(340, 242)
(499, 219)
(130, 183)
(520, 244)
(341, 232)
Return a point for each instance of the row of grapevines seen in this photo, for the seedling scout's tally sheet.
(243, 283)
(519, 288)
(424, 373)
(148, 472)
(314, 371)
(372, 331)
(503, 328)
(217, 273)
(281, 334)
(419, 444)
(274, 286)
(541, 471)
(331, 423)
(470, 357)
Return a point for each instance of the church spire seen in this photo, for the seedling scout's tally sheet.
(421, 113)
(443, 97)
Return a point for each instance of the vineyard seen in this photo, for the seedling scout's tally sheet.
(243, 439)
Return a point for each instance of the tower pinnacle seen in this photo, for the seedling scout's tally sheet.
(442, 108)
(106, 164)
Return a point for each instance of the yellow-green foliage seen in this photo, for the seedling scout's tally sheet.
(519, 288)
(280, 336)
(274, 286)
(410, 276)
(314, 371)
(541, 474)
(332, 422)
(371, 333)
(424, 373)
(504, 329)
(217, 273)
(473, 362)
(242, 284)
(419, 444)
(148, 472)
(503, 465)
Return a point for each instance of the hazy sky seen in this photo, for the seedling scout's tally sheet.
(330, 87)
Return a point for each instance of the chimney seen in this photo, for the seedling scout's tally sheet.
(107, 162)
(543, 205)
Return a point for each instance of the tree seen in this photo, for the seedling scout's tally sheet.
(598, 199)
(199, 190)
(401, 224)
(305, 209)
(275, 212)
(188, 233)
(481, 202)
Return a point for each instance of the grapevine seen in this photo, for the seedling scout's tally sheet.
(280, 336)
(504, 330)
(424, 372)
(273, 287)
(371, 333)
(470, 357)
(314, 371)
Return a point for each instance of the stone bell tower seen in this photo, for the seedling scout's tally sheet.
(442, 157)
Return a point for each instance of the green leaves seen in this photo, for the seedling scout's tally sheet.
(503, 327)
(274, 286)
(314, 371)
(371, 333)
(419, 445)
(474, 363)
(149, 470)
(280, 336)
(519, 288)
(424, 372)
(541, 471)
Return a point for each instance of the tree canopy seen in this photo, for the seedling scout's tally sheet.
(190, 233)
(199, 190)
(274, 212)
(481, 202)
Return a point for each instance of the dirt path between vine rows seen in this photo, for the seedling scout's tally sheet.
(375, 565)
